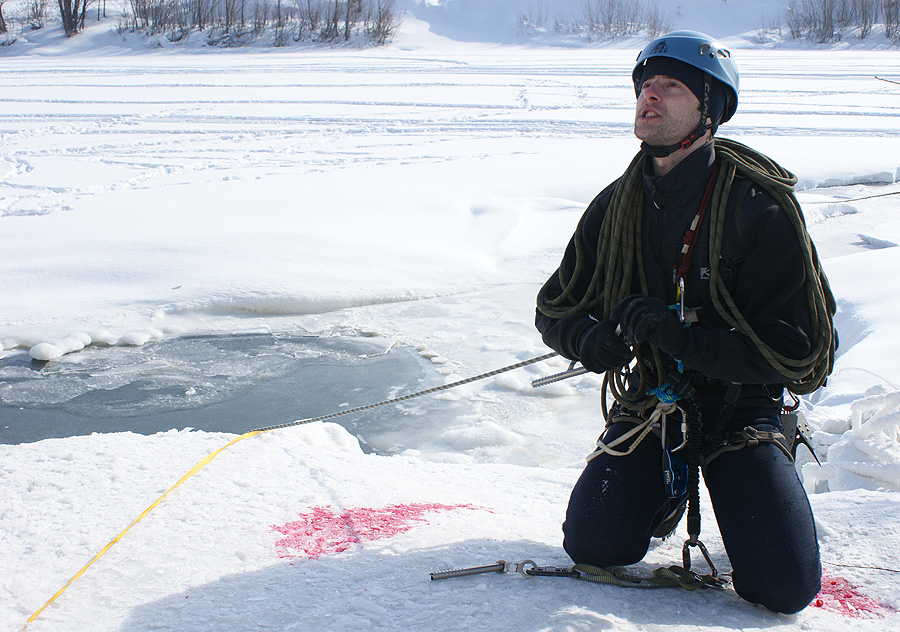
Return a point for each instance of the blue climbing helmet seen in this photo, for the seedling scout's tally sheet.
(697, 50)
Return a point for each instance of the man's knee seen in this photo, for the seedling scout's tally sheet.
(782, 590)
(591, 546)
(767, 527)
(611, 510)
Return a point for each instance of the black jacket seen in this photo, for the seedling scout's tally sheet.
(762, 266)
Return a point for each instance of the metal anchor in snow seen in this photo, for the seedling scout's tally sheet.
(556, 377)
(526, 568)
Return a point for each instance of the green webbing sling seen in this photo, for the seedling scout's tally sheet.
(663, 577)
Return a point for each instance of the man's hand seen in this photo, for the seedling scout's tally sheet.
(648, 319)
(602, 349)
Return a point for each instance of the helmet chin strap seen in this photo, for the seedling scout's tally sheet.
(661, 151)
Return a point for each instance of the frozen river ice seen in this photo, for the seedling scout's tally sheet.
(225, 383)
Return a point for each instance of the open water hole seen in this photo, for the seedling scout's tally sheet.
(219, 383)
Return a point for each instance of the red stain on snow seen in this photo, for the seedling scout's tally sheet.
(840, 596)
(323, 531)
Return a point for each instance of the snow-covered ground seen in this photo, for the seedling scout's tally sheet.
(417, 195)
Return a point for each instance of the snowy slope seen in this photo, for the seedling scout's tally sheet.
(417, 195)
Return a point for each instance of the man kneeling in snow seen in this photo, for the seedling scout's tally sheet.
(690, 281)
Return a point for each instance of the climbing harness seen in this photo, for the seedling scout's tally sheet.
(655, 423)
(794, 432)
(681, 389)
(681, 474)
(203, 462)
(667, 577)
(746, 438)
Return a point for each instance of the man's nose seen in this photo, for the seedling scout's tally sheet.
(649, 91)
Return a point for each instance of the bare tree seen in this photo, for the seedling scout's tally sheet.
(382, 21)
(825, 21)
(865, 15)
(260, 17)
(656, 22)
(200, 13)
(826, 30)
(230, 14)
(891, 11)
(312, 15)
(231, 22)
(812, 19)
(331, 27)
(72, 14)
(610, 12)
(280, 21)
(352, 14)
(3, 28)
(613, 18)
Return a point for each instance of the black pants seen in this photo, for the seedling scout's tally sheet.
(761, 509)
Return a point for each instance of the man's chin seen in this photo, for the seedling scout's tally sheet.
(656, 137)
(655, 140)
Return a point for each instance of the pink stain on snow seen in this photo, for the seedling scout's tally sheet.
(840, 596)
(323, 531)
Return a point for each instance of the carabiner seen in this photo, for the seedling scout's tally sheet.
(686, 555)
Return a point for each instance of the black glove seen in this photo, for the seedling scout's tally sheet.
(648, 319)
(602, 349)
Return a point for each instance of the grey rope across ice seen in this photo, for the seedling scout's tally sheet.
(200, 465)
(397, 400)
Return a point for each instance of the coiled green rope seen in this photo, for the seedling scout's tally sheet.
(807, 374)
(619, 254)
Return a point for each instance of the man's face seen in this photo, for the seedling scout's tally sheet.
(666, 111)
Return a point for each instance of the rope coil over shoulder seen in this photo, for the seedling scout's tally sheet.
(619, 256)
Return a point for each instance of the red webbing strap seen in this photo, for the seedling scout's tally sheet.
(689, 238)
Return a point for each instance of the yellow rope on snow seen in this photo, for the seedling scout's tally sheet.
(253, 433)
(193, 471)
